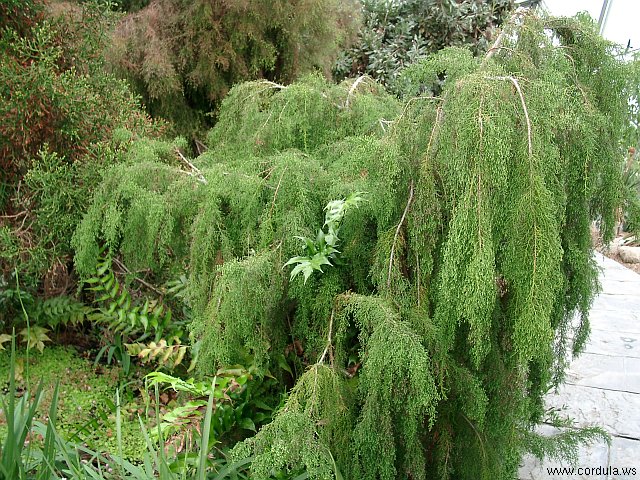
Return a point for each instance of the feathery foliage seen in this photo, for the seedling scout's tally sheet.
(426, 350)
(184, 56)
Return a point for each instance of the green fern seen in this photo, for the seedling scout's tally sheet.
(63, 310)
(133, 324)
(119, 312)
(323, 249)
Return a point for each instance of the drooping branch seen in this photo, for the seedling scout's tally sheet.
(525, 111)
(497, 45)
(329, 335)
(353, 88)
(275, 194)
(524, 107)
(395, 237)
(494, 48)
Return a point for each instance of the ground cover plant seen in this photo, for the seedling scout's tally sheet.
(85, 408)
(485, 192)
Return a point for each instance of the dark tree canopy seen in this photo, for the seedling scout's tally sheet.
(183, 56)
(395, 34)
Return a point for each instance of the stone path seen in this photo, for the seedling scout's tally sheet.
(603, 384)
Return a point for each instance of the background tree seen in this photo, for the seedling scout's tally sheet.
(395, 34)
(184, 56)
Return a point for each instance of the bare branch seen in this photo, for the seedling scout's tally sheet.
(353, 88)
(524, 107)
(494, 48)
(497, 45)
(137, 279)
(326, 349)
(196, 171)
(275, 194)
(19, 214)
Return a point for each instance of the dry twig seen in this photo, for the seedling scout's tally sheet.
(195, 171)
(137, 279)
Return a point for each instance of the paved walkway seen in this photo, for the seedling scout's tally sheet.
(603, 384)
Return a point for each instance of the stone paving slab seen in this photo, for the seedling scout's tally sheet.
(617, 287)
(599, 371)
(615, 411)
(617, 303)
(618, 343)
(609, 372)
(590, 456)
(620, 461)
(626, 321)
(624, 453)
(611, 268)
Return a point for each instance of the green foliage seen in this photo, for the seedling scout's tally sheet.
(394, 410)
(35, 318)
(50, 453)
(19, 415)
(164, 354)
(233, 409)
(184, 56)
(629, 215)
(119, 311)
(80, 403)
(427, 350)
(240, 325)
(563, 444)
(125, 320)
(138, 212)
(20, 15)
(49, 312)
(395, 34)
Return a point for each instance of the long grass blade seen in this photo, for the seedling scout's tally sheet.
(206, 432)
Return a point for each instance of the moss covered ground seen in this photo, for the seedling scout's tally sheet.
(86, 407)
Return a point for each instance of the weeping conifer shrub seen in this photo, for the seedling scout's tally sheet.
(464, 276)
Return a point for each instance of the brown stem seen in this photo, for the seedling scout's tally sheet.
(395, 238)
(194, 170)
(137, 279)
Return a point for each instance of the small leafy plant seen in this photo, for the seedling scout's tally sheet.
(323, 249)
(44, 315)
